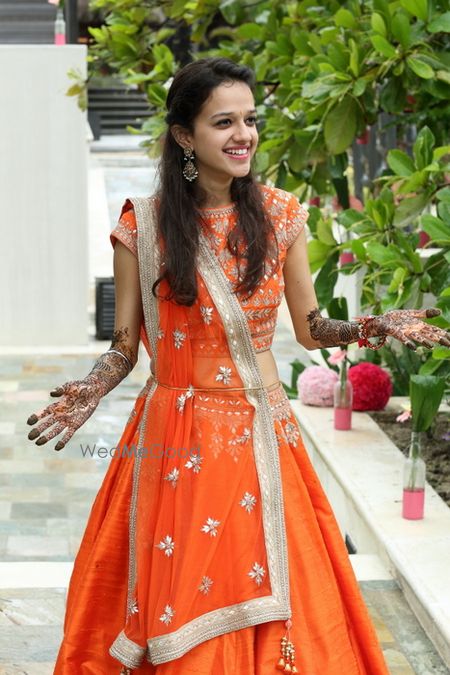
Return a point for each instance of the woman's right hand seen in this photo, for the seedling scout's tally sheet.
(79, 399)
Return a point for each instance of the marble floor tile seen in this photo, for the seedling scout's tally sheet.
(24, 494)
(8, 385)
(39, 643)
(5, 510)
(44, 547)
(38, 510)
(28, 668)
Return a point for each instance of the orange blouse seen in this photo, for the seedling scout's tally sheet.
(261, 309)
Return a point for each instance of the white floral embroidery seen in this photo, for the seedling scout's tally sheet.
(168, 615)
(292, 433)
(241, 439)
(182, 398)
(224, 375)
(194, 463)
(210, 526)
(160, 334)
(134, 608)
(167, 545)
(206, 584)
(206, 313)
(248, 501)
(257, 572)
(179, 337)
(173, 476)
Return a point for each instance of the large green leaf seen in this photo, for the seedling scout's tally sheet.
(426, 392)
(437, 229)
(318, 253)
(383, 46)
(326, 280)
(401, 29)
(420, 68)
(386, 256)
(423, 148)
(409, 209)
(400, 163)
(417, 8)
(340, 126)
(337, 308)
(344, 18)
(441, 24)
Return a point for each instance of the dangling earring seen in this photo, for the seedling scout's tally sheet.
(190, 170)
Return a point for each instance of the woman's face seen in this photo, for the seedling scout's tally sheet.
(225, 135)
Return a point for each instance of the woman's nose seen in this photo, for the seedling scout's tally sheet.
(243, 132)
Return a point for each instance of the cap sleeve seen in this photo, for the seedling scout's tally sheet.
(296, 218)
(126, 229)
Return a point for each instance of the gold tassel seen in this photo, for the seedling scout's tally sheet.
(286, 662)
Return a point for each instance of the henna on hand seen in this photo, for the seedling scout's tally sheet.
(79, 398)
(407, 326)
(331, 332)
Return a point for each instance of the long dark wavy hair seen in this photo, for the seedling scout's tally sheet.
(179, 200)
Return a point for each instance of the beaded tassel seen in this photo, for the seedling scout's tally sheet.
(286, 662)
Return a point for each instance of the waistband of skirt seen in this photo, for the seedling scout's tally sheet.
(268, 387)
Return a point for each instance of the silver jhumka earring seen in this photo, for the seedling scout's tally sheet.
(190, 170)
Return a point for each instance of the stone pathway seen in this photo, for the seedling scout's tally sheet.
(45, 497)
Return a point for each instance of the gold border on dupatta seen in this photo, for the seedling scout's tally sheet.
(127, 652)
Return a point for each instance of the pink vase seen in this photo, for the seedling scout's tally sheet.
(343, 400)
(414, 481)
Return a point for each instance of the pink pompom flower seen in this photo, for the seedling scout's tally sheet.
(315, 386)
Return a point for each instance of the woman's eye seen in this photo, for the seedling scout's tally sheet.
(220, 122)
(252, 120)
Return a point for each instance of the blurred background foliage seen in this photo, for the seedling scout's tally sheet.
(332, 78)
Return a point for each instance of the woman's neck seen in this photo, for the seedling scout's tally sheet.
(216, 193)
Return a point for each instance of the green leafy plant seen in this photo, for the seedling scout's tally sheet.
(426, 392)
(326, 73)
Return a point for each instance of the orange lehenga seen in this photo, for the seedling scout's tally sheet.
(211, 534)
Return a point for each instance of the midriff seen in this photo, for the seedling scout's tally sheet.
(267, 367)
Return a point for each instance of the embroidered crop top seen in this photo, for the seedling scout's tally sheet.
(261, 308)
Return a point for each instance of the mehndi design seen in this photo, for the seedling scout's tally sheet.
(331, 332)
(406, 325)
(79, 398)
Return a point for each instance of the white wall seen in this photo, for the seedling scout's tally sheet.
(43, 198)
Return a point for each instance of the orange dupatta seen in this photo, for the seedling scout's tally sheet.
(208, 552)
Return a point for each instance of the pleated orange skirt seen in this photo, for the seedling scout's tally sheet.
(332, 630)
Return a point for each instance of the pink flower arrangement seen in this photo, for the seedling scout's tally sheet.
(315, 386)
(372, 386)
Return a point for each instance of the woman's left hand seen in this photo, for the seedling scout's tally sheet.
(406, 326)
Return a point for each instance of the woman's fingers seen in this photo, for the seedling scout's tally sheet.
(65, 439)
(46, 424)
(35, 417)
(402, 337)
(429, 313)
(57, 429)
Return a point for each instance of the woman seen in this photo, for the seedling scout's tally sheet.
(211, 546)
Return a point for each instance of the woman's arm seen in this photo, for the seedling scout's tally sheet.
(314, 331)
(79, 398)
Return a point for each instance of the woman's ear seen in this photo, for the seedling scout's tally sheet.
(181, 136)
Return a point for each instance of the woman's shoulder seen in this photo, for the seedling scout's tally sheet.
(288, 215)
(277, 199)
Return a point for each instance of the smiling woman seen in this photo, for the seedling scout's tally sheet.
(231, 561)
